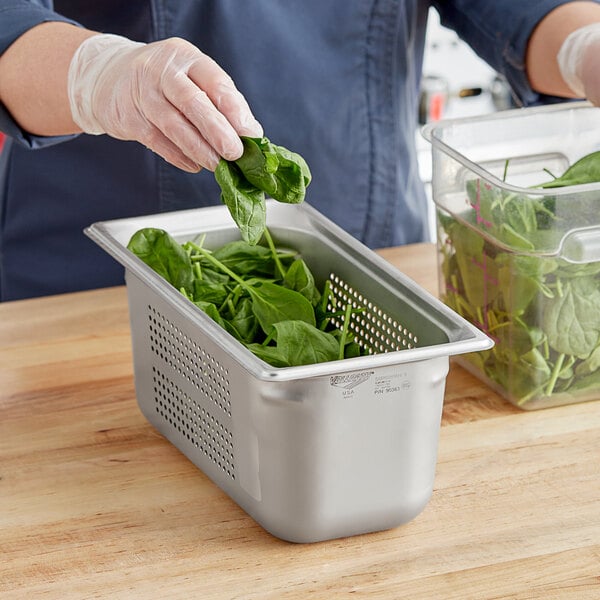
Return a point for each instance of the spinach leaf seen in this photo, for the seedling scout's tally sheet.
(281, 174)
(164, 255)
(244, 321)
(585, 170)
(245, 202)
(215, 293)
(590, 364)
(299, 278)
(259, 163)
(263, 168)
(242, 258)
(270, 354)
(572, 319)
(265, 297)
(212, 311)
(542, 311)
(293, 176)
(300, 343)
(273, 303)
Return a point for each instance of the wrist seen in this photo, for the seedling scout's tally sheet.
(89, 63)
(571, 56)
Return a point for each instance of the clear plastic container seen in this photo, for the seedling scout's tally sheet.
(522, 262)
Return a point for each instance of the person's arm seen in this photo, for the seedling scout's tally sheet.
(57, 79)
(33, 78)
(520, 39)
(546, 40)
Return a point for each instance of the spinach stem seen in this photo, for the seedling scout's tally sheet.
(340, 313)
(269, 239)
(555, 373)
(547, 391)
(269, 337)
(505, 169)
(345, 327)
(323, 304)
(529, 396)
(326, 294)
(197, 270)
(221, 266)
(225, 303)
(230, 304)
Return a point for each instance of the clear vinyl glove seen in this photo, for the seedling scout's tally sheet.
(167, 95)
(579, 62)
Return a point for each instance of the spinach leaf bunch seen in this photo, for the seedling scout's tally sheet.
(266, 297)
(542, 311)
(264, 169)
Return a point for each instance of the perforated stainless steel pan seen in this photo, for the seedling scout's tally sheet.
(310, 452)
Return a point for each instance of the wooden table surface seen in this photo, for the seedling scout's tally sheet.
(95, 504)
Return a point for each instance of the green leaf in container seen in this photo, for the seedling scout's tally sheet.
(571, 319)
(244, 321)
(511, 237)
(273, 303)
(209, 275)
(212, 311)
(590, 364)
(164, 255)
(300, 279)
(520, 213)
(304, 344)
(243, 258)
(478, 270)
(522, 290)
(241, 287)
(299, 343)
(585, 170)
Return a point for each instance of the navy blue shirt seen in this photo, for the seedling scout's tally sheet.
(336, 81)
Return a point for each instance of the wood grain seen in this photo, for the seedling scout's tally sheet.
(95, 504)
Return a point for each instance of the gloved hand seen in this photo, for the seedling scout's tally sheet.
(167, 95)
(579, 62)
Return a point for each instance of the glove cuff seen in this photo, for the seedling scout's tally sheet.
(90, 60)
(571, 54)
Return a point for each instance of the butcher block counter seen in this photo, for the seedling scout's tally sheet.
(95, 504)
